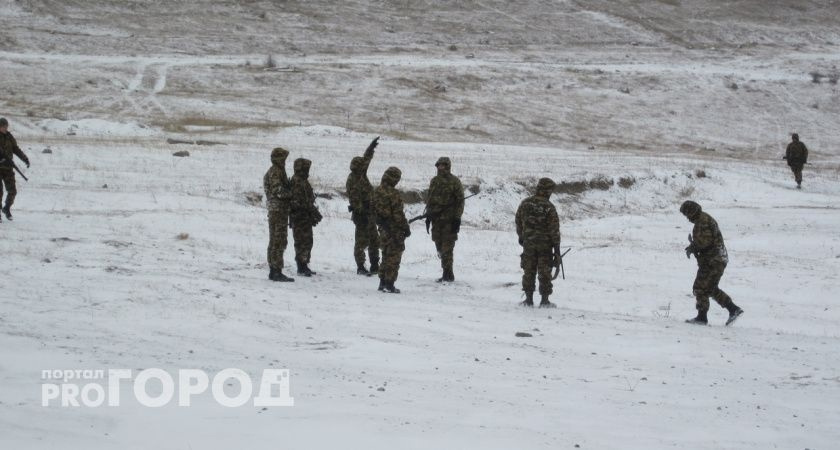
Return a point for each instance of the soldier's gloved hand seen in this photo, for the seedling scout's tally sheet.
(688, 252)
(372, 146)
(556, 254)
(521, 242)
(27, 163)
(456, 225)
(407, 232)
(350, 208)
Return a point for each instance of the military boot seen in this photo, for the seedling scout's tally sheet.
(272, 273)
(7, 210)
(391, 289)
(701, 319)
(374, 265)
(734, 313)
(544, 303)
(529, 300)
(360, 270)
(443, 277)
(279, 276)
(450, 276)
(303, 270)
(381, 287)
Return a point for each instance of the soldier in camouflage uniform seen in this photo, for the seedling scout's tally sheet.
(538, 228)
(393, 228)
(445, 206)
(8, 149)
(278, 196)
(359, 192)
(303, 215)
(796, 156)
(706, 244)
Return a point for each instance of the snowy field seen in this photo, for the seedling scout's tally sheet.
(124, 256)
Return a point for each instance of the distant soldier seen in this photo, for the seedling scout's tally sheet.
(303, 215)
(359, 192)
(796, 156)
(706, 244)
(278, 196)
(8, 149)
(538, 228)
(445, 206)
(393, 228)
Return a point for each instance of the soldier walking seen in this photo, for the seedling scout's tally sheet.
(445, 206)
(796, 156)
(538, 228)
(278, 196)
(303, 215)
(393, 228)
(706, 244)
(8, 150)
(359, 192)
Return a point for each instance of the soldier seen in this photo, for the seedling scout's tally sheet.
(359, 192)
(538, 228)
(278, 196)
(445, 206)
(706, 244)
(8, 149)
(393, 228)
(303, 215)
(796, 156)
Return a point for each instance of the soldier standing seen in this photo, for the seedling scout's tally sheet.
(359, 192)
(278, 196)
(706, 244)
(393, 228)
(8, 149)
(303, 215)
(796, 156)
(445, 206)
(538, 228)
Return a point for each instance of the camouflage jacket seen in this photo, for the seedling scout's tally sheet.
(796, 153)
(278, 188)
(389, 210)
(707, 240)
(9, 148)
(446, 198)
(302, 204)
(537, 223)
(359, 189)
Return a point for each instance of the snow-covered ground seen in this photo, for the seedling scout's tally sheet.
(122, 256)
(100, 280)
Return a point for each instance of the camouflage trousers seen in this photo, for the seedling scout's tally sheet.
(302, 232)
(796, 168)
(444, 237)
(278, 237)
(7, 179)
(536, 261)
(367, 237)
(392, 250)
(709, 274)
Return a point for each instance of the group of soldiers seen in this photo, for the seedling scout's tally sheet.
(378, 215)
(381, 224)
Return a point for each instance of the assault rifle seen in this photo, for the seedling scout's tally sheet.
(18, 169)
(428, 217)
(690, 250)
(558, 263)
